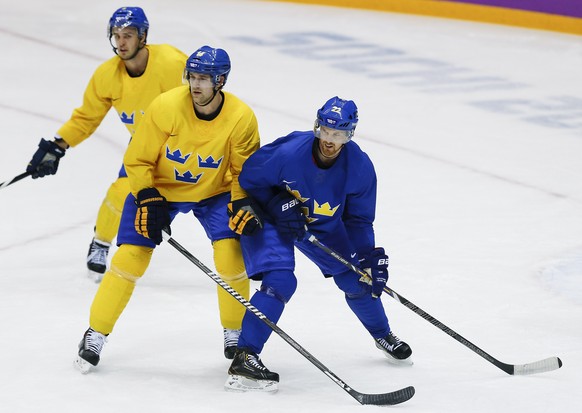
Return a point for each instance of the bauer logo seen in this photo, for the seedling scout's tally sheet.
(288, 205)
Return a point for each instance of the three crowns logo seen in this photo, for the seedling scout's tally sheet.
(209, 162)
(176, 156)
(187, 177)
(324, 209)
(295, 193)
(127, 119)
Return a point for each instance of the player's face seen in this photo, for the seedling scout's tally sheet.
(127, 42)
(201, 88)
(331, 141)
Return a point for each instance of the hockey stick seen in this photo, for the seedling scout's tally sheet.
(395, 397)
(15, 179)
(541, 366)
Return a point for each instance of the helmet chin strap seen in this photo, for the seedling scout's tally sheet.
(113, 47)
(216, 90)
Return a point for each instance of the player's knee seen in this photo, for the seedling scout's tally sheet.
(280, 284)
(348, 282)
(131, 261)
(228, 259)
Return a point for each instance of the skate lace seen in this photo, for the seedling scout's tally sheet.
(94, 341)
(231, 337)
(394, 337)
(254, 361)
(98, 254)
(390, 344)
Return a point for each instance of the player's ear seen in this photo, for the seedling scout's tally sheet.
(220, 82)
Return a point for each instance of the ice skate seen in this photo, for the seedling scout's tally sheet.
(248, 373)
(97, 259)
(89, 350)
(395, 350)
(230, 342)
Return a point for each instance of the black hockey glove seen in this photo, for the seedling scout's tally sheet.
(375, 264)
(45, 160)
(286, 212)
(243, 215)
(152, 214)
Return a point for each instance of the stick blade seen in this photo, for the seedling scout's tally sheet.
(385, 399)
(541, 366)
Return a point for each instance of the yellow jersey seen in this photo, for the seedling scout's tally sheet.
(186, 158)
(111, 85)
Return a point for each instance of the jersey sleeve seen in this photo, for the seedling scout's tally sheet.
(143, 150)
(87, 117)
(260, 173)
(247, 143)
(360, 209)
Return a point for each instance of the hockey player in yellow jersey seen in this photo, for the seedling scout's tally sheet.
(185, 157)
(127, 82)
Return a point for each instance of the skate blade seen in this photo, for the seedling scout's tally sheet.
(96, 277)
(236, 383)
(398, 362)
(82, 365)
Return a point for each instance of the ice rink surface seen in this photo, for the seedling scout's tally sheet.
(476, 134)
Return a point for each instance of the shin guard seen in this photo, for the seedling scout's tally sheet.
(127, 266)
(230, 266)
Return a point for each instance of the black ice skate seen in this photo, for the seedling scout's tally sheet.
(89, 350)
(396, 350)
(230, 342)
(248, 373)
(97, 259)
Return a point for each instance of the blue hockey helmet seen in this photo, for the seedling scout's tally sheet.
(339, 114)
(129, 17)
(209, 61)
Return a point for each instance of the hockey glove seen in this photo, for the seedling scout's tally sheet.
(286, 212)
(244, 219)
(45, 160)
(152, 214)
(376, 265)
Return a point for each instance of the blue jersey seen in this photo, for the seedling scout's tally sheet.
(341, 198)
(339, 202)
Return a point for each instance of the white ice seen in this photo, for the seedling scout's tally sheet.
(476, 133)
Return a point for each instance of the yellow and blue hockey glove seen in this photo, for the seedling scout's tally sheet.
(152, 214)
(244, 216)
(375, 264)
(45, 160)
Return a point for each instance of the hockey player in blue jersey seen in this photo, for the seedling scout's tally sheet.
(321, 181)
